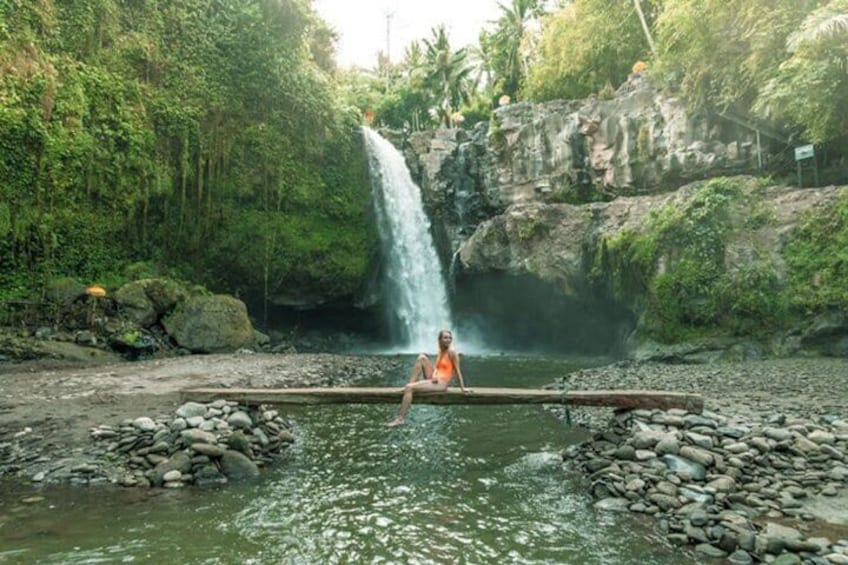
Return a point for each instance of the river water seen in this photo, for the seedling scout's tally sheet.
(457, 484)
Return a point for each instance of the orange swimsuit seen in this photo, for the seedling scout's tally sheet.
(444, 368)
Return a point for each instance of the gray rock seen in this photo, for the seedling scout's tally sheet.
(193, 435)
(677, 464)
(208, 450)
(237, 467)
(722, 484)
(734, 432)
(240, 421)
(832, 452)
(759, 443)
(709, 550)
(668, 445)
(191, 410)
(777, 434)
(747, 540)
(699, 518)
(695, 496)
(698, 455)
(822, 437)
(625, 452)
(740, 447)
(287, 437)
(664, 501)
(787, 559)
(195, 421)
(144, 424)
(208, 475)
(239, 442)
(179, 461)
(740, 557)
(700, 440)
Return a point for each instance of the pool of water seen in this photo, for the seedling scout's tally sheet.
(457, 484)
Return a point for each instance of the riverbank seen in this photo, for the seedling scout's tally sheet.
(760, 475)
(47, 410)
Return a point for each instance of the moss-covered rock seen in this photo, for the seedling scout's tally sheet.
(64, 291)
(210, 324)
(145, 301)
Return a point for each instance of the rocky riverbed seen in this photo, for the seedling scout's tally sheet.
(760, 475)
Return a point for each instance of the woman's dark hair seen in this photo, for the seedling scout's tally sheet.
(442, 332)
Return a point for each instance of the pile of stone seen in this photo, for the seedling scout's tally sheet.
(727, 485)
(205, 444)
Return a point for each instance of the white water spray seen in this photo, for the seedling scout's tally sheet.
(415, 285)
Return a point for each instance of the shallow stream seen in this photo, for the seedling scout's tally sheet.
(457, 484)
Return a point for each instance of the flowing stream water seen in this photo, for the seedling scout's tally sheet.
(457, 484)
(416, 294)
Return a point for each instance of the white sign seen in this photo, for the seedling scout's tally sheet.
(804, 152)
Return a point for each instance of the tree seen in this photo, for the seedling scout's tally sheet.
(811, 87)
(506, 49)
(585, 46)
(719, 69)
(447, 73)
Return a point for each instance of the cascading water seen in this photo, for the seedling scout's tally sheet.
(416, 291)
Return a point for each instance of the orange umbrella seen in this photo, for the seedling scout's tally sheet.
(95, 290)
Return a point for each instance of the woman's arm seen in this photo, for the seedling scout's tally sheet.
(455, 358)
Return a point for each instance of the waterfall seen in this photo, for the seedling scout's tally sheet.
(415, 286)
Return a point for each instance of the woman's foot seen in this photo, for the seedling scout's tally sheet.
(395, 423)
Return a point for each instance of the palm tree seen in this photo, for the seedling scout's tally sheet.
(505, 45)
(826, 26)
(446, 73)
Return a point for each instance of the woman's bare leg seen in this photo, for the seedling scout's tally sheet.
(423, 368)
(408, 391)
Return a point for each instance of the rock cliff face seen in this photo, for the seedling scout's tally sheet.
(522, 206)
(639, 142)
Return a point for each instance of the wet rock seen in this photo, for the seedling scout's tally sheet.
(208, 450)
(678, 464)
(740, 557)
(237, 467)
(192, 436)
(240, 420)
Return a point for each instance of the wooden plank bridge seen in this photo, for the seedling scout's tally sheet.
(479, 395)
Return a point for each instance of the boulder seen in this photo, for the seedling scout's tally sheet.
(211, 324)
(145, 301)
(237, 467)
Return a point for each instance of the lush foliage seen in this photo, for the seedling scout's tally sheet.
(817, 256)
(206, 136)
(678, 267)
(508, 48)
(810, 88)
(586, 46)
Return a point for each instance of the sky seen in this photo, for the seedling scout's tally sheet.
(361, 24)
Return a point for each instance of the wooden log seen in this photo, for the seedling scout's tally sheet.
(372, 395)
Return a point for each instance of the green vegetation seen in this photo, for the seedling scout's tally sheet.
(585, 46)
(677, 269)
(207, 138)
(216, 142)
(817, 257)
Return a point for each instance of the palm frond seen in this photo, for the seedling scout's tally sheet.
(826, 23)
